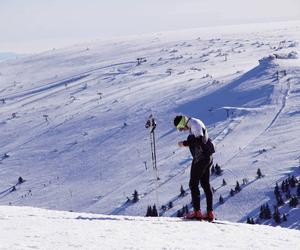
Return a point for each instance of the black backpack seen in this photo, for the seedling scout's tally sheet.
(208, 147)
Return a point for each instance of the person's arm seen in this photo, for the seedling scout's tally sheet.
(193, 141)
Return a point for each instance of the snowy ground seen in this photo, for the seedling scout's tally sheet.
(72, 120)
(65, 230)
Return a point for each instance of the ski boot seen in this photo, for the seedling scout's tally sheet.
(209, 216)
(195, 215)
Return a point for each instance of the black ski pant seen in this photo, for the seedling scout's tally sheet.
(200, 172)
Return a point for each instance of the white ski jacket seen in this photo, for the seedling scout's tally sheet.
(197, 128)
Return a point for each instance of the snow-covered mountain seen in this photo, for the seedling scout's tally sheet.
(72, 120)
(65, 230)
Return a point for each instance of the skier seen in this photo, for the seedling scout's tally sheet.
(201, 149)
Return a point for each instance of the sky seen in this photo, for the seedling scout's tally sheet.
(35, 25)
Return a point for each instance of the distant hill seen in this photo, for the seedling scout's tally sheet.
(7, 55)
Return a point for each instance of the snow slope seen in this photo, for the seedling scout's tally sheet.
(65, 230)
(72, 120)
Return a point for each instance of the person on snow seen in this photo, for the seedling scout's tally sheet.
(201, 148)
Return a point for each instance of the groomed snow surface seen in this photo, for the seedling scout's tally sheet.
(33, 228)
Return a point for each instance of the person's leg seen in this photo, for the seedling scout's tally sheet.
(194, 186)
(204, 181)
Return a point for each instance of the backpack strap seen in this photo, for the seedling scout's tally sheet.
(188, 120)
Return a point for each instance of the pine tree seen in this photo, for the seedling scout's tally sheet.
(279, 199)
(298, 190)
(284, 217)
(259, 174)
(182, 191)
(179, 213)
(237, 187)
(231, 192)
(283, 186)
(224, 182)
(218, 169)
(286, 186)
(212, 169)
(288, 180)
(276, 215)
(261, 213)
(293, 181)
(265, 212)
(154, 211)
(268, 214)
(248, 220)
(186, 209)
(288, 194)
(170, 204)
(276, 189)
(20, 180)
(293, 201)
(149, 212)
(135, 196)
(183, 210)
(221, 200)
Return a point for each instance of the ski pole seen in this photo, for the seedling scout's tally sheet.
(152, 125)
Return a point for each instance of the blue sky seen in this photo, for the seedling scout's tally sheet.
(35, 25)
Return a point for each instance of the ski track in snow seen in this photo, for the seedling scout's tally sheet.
(284, 99)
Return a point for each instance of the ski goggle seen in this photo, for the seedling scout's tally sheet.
(181, 125)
